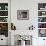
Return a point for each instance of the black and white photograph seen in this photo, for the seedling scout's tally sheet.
(23, 14)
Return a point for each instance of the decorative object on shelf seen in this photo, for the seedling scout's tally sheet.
(3, 13)
(3, 19)
(45, 7)
(23, 14)
(41, 13)
(0, 7)
(41, 19)
(4, 26)
(3, 6)
(13, 27)
(42, 32)
(4, 29)
(6, 7)
(31, 27)
(41, 25)
(41, 6)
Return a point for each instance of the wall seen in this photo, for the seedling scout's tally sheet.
(21, 5)
(32, 6)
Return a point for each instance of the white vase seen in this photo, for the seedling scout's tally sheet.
(22, 43)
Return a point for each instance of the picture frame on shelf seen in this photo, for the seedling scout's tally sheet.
(22, 14)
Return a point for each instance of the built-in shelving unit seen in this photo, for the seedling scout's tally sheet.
(4, 19)
(42, 19)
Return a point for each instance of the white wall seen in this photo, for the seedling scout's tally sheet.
(32, 6)
(21, 5)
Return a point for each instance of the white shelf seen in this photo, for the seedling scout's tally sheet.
(3, 10)
(41, 28)
(42, 16)
(3, 22)
(41, 10)
(3, 16)
(41, 22)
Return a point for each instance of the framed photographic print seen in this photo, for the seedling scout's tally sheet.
(23, 14)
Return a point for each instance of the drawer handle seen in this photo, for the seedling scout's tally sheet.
(43, 39)
(1, 39)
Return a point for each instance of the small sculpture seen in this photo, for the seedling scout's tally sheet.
(13, 27)
(31, 27)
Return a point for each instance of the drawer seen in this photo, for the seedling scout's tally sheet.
(3, 41)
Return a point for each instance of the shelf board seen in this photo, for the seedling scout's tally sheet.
(41, 22)
(41, 28)
(41, 10)
(3, 10)
(3, 16)
(3, 22)
(42, 16)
